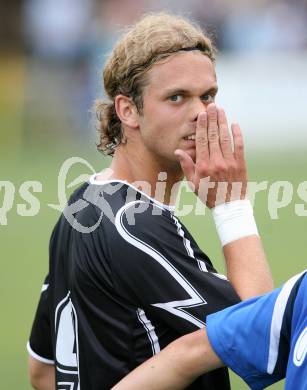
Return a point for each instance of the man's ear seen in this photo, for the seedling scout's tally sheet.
(126, 111)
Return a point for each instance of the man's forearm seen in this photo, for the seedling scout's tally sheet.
(42, 375)
(175, 367)
(247, 267)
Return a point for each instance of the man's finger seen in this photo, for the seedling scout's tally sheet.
(187, 164)
(238, 143)
(201, 138)
(225, 140)
(213, 132)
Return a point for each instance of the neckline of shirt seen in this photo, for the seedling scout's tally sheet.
(94, 181)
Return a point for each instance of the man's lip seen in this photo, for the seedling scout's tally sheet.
(188, 143)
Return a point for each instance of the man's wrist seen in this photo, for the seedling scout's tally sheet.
(234, 220)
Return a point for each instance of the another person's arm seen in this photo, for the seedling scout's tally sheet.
(246, 264)
(241, 336)
(176, 366)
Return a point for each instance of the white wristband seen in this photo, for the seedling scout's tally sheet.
(234, 220)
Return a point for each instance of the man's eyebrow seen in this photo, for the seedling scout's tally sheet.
(182, 91)
(175, 91)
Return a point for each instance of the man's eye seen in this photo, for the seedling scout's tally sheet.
(176, 98)
(207, 98)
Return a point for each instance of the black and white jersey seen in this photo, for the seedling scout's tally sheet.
(125, 279)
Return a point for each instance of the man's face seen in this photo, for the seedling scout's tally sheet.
(177, 91)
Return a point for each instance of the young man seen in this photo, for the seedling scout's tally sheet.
(263, 340)
(126, 277)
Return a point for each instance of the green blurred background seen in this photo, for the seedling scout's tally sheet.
(44, 119)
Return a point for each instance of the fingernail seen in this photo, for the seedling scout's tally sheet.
(177, 153)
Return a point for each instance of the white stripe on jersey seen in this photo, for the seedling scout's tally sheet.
(150, 329)
(38, 357)
(277, 317)
(65, 384)
(174, 307)
(44, 287)
(187, 243)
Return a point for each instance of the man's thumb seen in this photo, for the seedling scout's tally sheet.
(186, 163)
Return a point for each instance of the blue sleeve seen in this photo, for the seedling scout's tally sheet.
(253, 338)
(240, 336)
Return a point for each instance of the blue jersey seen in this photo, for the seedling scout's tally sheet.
(264, 339)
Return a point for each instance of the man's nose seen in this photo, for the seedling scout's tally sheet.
(197, 106)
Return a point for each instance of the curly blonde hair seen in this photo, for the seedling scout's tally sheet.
(151, 39)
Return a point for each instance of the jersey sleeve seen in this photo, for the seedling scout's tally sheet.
(253, 337)
(157, 265)
(39, 345)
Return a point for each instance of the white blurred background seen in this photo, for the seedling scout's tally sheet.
(53, 53)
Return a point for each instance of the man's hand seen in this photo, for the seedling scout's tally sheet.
(246, 264)
(224, 168)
